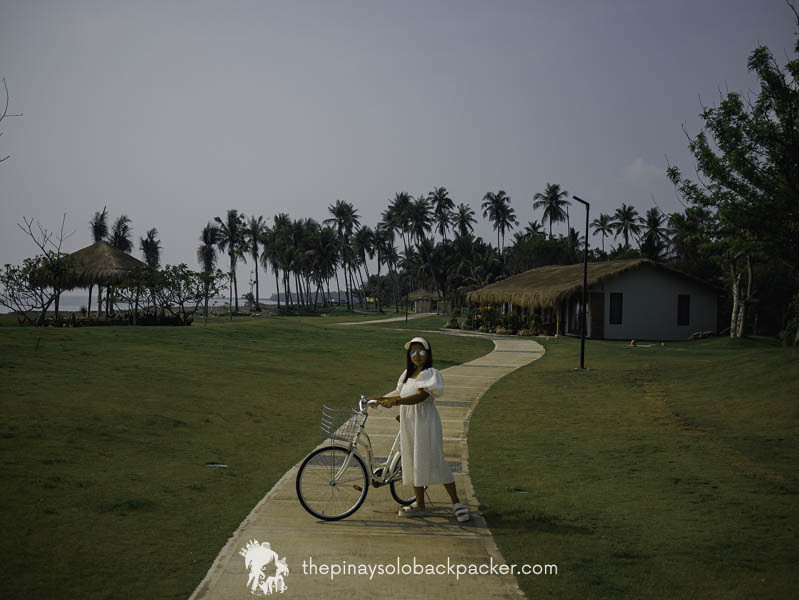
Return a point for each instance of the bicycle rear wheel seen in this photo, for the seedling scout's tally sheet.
(402, 493)
(321, 493)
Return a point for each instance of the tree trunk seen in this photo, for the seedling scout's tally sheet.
(736, 283)
(89, 309)
(235, 285)
(377, 295)
(338, 287)
(742, 312)
(257, 292)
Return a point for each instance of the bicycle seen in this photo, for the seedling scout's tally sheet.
(333, 480)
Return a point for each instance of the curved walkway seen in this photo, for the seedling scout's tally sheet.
(374, 535)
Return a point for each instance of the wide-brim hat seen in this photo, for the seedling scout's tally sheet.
(421, 340)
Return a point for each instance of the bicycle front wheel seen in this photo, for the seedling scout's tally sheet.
(328, 491)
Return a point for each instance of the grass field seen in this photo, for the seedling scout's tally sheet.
(657, 473)
(105, 434)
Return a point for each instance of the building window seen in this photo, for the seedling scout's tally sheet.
(615, 308)
(683, 309)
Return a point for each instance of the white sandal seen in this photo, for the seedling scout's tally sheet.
(461, 512)
(412, 510)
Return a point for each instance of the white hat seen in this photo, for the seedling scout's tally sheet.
(421, 340)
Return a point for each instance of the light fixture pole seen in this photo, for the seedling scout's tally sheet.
(585, 285)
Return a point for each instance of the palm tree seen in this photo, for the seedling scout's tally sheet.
(602, 225)
(553, 202)
(99, 230)
(499, 211)
(231, 240)
(119, 238)
(277, 240)
(345, 220)
(625, 222)
(255, 233)
(654, 240)
(532, 229)
(120, 235)
(420, 224)
(442, 209)
(206, 253)
(398, 215)
(463, 221)
(363, 245)
(150, 247)
(325, 257)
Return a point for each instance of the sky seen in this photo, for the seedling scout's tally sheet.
(174, 112)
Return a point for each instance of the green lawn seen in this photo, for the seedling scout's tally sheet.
(662, 472)
(105, 434)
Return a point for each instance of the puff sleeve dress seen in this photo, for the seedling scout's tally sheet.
(421, 437)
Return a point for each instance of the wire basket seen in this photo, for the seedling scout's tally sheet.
(339, 423)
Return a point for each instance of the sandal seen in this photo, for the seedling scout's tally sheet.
(412, 511)
(461, 512)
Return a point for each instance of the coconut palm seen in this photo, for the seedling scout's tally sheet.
(463, 221)
(344, 220)
(120, 235)
(364, 245)
(231, 239)
(99, 230)
(255, 232)
(325, 258)
(553, 202)
(625, 222)
(386, 254)
(655, 237)
(500, 213)
(442, 209)
(398, 215)
(602, 225)
(150, 247)
(206, 253)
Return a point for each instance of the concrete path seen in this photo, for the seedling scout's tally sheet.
(375, 535)
(389, 320)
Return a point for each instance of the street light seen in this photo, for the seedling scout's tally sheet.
(585, 284)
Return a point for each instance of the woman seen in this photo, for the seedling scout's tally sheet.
(421, 438)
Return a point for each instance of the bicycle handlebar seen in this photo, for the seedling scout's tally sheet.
(367, 402)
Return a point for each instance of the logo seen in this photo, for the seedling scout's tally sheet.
(261, 560)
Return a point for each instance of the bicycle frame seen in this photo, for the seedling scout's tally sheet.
(361, 439)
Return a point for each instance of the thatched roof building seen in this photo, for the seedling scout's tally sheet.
(626, 299)
(546, 287)
(102, 263)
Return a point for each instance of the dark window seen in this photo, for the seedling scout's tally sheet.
(683, 309)
(615, 308)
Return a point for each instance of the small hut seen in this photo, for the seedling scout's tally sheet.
(101, 264)
(627, 299)
(422, 300)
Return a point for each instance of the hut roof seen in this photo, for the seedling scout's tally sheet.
(102, 263)
(547, 286)
(421, 294)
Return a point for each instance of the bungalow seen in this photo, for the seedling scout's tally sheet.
(627, 299)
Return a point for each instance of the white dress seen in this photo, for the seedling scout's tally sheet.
(421, 437)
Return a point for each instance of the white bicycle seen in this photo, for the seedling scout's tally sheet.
(333, 481)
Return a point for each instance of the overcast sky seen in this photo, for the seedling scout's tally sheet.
(174, 112)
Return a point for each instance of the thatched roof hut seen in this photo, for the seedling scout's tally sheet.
(421, 294)
(102, 263)
(545, 287)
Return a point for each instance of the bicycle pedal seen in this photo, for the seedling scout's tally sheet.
(357, 487)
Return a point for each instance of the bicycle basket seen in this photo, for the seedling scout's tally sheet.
(339, 423)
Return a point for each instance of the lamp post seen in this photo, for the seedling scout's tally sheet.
(585, 284)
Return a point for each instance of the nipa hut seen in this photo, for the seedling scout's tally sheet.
(102, 264)
(627, 299)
